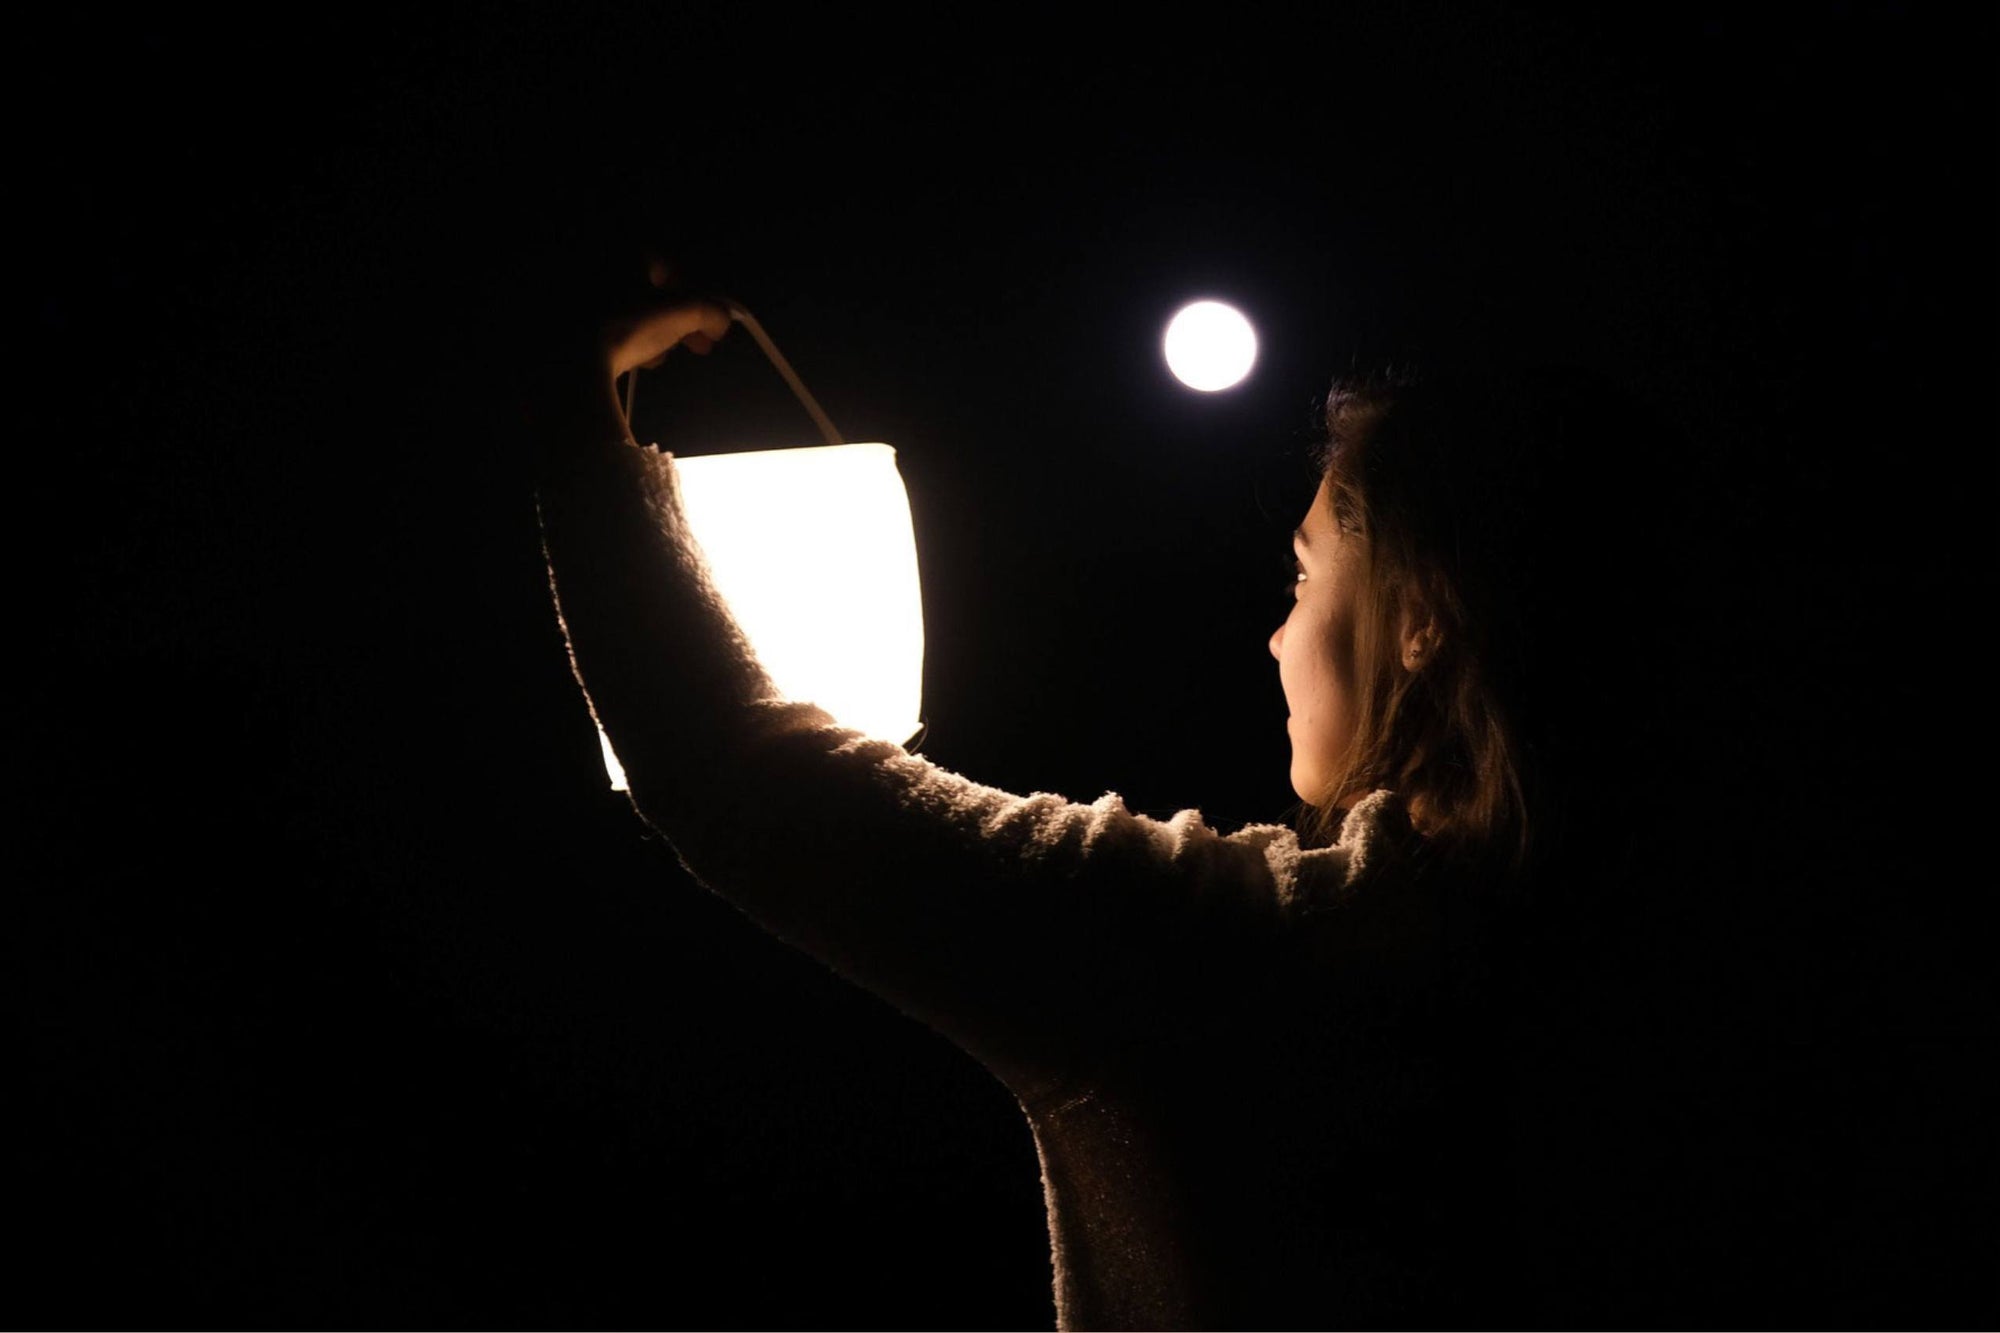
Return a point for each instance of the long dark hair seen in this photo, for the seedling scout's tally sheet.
(1516, 515)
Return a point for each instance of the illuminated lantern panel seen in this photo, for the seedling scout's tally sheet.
(814, 552)
(1210, 346)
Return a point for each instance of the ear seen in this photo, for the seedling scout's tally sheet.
(1419, 636)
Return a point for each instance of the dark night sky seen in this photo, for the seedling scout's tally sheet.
(348, 996)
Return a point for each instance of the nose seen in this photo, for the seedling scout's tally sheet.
(1278, 641)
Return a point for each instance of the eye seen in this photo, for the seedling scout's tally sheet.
(1298, 577)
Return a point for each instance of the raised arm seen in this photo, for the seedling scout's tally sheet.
(1029, 929)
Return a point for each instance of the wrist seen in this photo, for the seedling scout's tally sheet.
(573, 420)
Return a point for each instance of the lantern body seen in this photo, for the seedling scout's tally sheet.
(814, 553)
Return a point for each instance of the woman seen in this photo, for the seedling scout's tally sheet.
(1261, 1069)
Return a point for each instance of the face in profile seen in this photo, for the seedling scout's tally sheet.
(1315, 649)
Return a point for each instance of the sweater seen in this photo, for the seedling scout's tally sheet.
(1237, 1055)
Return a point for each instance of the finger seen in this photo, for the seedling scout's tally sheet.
(698, 343)
(655, 333)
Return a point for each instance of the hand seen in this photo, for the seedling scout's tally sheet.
(642, 340)
(573, 404)
(664, 318)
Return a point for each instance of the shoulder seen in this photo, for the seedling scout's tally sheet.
(1373, 853)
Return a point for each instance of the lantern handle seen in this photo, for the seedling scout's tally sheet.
(777, 360)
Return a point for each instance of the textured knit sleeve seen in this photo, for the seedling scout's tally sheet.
(1027, 928)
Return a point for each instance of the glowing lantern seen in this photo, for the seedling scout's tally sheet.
(814, 553)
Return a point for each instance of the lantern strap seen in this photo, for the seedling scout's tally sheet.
(777, 359)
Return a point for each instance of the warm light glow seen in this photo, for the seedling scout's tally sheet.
(814, 552)
(1210, 346)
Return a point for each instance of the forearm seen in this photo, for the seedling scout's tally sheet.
(667, 674)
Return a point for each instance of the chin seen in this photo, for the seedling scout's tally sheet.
(1301, 788)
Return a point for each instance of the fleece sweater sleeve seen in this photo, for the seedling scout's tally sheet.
(1030, 929)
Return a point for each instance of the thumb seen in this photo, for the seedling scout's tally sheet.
(646, 338)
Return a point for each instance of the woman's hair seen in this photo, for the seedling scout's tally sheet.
(1511, 516)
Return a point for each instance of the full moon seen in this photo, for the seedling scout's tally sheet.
(1209, 346)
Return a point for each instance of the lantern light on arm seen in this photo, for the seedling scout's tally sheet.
(813, 552)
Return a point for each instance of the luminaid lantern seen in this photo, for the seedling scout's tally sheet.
(814, 553)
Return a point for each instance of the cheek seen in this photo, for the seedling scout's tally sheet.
(1290, 644)
(1319, 669)
(1302, 667)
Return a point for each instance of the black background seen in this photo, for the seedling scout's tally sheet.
(346, 994)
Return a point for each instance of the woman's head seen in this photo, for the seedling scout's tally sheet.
(1466, 595)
